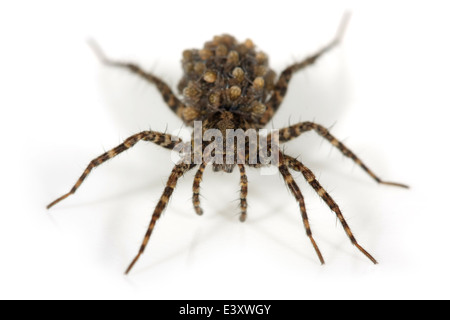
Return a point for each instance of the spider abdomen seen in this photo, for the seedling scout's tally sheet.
(226, 75)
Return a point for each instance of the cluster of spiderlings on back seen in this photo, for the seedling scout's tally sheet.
(226, 75)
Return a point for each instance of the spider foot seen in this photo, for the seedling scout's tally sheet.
(58, 200)
(366, 253)
(394, 184)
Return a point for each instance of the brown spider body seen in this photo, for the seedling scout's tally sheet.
(228, 85)
(225, 85)
(226, 76)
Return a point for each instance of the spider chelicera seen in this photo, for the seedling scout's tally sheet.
(228, 85)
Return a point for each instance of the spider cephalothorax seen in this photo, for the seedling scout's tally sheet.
(228, 86)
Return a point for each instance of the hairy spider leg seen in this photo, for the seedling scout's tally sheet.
(178, 171)
(196, 188)
(292, 185)
(169, 97)
(244, 192)
(162, 139)
(282, 84)
(311, 179)
(289, 133)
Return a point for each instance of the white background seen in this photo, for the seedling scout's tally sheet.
(385, 90)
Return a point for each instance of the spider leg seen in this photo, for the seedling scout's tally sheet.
(164, 140)
(309, 176)
(299, 197)
(196, 188)
(178, 171)
(244, 191)
(282, 84)
(169, 97)
(289, 133)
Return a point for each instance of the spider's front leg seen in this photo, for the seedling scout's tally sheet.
(196, 188)
(282, 84)
(289, 133)
(311, 179)
(162, 139)
(169, 97)
(244, 192)
(178, 171)
(292, 185)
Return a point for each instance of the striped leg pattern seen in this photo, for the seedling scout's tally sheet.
(283, 82)
(292, 185)
(311, 179)
(162, 139)
(289, 133)
(244, 191)
(178, 171)
(196, 188)
(169, 97)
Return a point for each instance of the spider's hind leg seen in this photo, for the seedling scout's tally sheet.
(282, 84)
(292, 185)
(168, 95)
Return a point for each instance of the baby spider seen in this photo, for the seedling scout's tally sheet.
(229, 86)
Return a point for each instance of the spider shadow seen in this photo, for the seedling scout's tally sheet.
(299, 248)
(367, 216)
(215, 227)
(116, 196)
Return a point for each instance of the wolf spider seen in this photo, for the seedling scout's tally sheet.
(229, 85)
